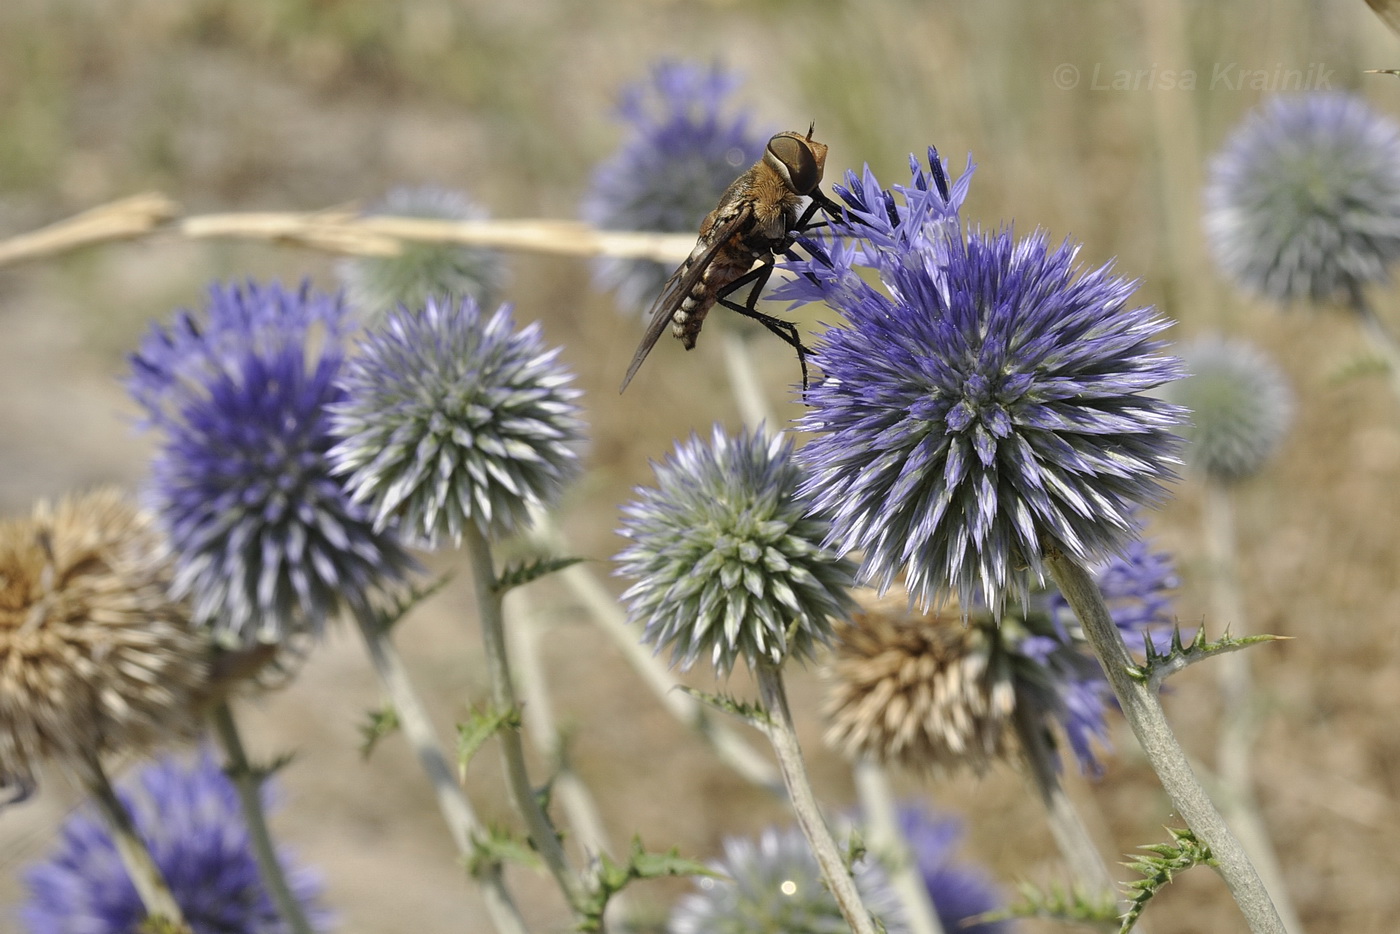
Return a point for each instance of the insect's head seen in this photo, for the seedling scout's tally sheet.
(798, 159)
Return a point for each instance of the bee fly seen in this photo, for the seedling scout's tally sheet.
(757, 217)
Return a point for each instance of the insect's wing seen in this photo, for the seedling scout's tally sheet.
(680, 284)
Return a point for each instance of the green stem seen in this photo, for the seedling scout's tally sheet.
(1381, 338)
(146, 876)
(783, 735)
(882, 823)
(249, 784)
(452, 801)
(542, 833)
(1143, 711)
(743, 380)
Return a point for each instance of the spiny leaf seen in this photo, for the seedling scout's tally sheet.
(481, 726)
(1056, 903)
(1362, 366)
(388, 617)
(260, 772)
(519, 573)
(1158, 666)
(1158, 868)
(610, 877)
(499, 846)
(752, 711)
(378, 724)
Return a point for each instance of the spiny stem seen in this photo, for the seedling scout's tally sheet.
(452, 801)
(783, 736)
(1143, 710)
(542, 833)
(249, 785)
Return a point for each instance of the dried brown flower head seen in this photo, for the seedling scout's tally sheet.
(923, 690)
(94, 655)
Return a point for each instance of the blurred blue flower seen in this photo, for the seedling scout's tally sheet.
(191, 819)
(452, 417)
(988, 404)
(959, 891)
(727, 555)
(266, 540)
(685, 144)
(378, 284)
(1303, 199)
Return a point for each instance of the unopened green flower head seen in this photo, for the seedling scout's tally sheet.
(453, 417)
(727, 558)
(1240, 406)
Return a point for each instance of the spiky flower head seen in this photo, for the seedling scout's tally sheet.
(685, 143)
(774, 884)
(1303, 200)
(959, 891)
(453, 417)
(190, 817)
(95, 656)
(1240, 407)
(940, 691)
(377, 284)
(267, 541)
(726, 555)
(987, 405)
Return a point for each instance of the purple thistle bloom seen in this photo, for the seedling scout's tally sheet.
(727, 555)
(1303, 201)
(683, 148)
(988, 404)
(453, 417)
(192, 821)
(266, 541)
(958, 891)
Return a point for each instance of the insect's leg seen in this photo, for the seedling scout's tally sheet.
(786, 331)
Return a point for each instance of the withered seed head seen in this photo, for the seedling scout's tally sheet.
(922, 690)
(94, 655)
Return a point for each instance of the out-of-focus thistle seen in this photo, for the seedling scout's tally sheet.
(685, 143)
(939, 690)
(378, 284)
(190, 817)
(1240, 406)
(989, 405)
(959, 891)
(267, 541)
(451, 416)
(726, 555)
(95, 655)
(1303, 200)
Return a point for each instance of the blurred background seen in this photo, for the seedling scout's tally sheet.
(1076, 114)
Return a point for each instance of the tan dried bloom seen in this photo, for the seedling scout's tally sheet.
(923, 690)
(94, 654)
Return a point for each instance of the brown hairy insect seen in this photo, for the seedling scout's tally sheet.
(757, 218)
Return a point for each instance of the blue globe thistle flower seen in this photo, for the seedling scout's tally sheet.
(939, 691)
(959, 891)
(1240, 407)
(191, 819)
(685, 143)
(774, 884)
(451, 417)
(378, 284)
(1303, 200)
(266, 540)
(727, 555)
(987, 405)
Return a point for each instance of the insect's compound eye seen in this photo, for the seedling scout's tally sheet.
(795, 158)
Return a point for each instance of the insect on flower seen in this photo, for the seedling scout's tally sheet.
(756, 219)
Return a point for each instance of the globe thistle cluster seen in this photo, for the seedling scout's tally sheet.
(95, 656)
(1240, 406)
(190, 817)
(774, 884)
(452, 417)
(727, 558)
(685, 144)
(940, 691)
(990, 402)
(959, 892)
(378, 284)
(1303, 199)
(267, 541)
